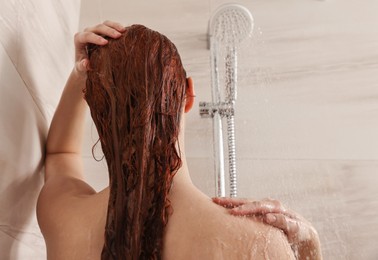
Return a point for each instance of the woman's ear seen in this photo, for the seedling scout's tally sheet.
(189, 99)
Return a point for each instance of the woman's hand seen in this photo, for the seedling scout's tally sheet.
(66, 130)
(94, 35)
(301, 235)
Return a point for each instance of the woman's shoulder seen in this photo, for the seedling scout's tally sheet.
(208, 231)
(250, 238)
(62, 198)
(259, 240)
(66, 220)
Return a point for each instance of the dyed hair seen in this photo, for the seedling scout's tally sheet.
(135, 90)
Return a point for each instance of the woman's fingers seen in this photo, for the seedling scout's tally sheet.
(81, 41)
(258, 208)
(300, 233)
(83, 38)
(242, 207)
(110, 30)
(119, 27)
(94, 35)
(291, 227)
(230, 202)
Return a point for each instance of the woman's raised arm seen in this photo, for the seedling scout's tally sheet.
(66, 131)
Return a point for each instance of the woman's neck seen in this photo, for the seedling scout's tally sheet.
(183, 190)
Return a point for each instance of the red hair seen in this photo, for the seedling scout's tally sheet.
(135, 90)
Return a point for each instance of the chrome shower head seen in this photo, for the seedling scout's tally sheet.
(230, 24)
(228, 27)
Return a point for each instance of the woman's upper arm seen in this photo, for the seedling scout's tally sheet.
(59, 165)
(64, 183)
(64, 177)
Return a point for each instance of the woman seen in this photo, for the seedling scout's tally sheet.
(137, 91)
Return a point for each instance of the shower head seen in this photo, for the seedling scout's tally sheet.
(230, 24)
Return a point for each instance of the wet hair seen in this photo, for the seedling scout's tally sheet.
(135, 90)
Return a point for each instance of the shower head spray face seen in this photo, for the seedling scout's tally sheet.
(231, 24)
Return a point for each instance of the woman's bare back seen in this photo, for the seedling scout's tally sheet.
(73, 227)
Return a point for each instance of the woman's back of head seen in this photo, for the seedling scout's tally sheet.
(135, 91)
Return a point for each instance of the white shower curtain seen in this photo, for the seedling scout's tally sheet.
(36, 55)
